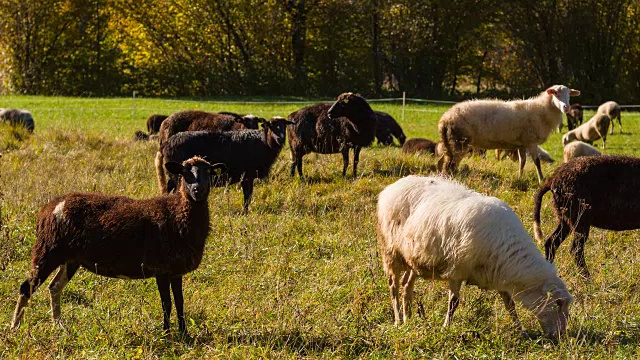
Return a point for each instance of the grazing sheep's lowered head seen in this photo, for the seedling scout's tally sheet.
(560, 96)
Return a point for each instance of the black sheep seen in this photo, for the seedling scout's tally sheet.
(247, 154)
(600, 191)
(387, 129)
(120, 237)
(17, 117)
(332, 128)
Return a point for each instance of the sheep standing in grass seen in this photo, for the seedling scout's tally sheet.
(437, 229)
(496, 124)
(387, 128)
(590, 131)
(120, 237)
(419, 145)
(578, 149)
(332, 128)
(599, 191)
(611, 109)
(17, 117)
(246, 154)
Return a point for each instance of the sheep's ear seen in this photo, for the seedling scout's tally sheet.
(551, 91)
(574, 92)
(174, 167)
(217, 169)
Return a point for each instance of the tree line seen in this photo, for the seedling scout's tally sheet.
(438, 49)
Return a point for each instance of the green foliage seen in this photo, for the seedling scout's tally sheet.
(428, 48)
(299, 276)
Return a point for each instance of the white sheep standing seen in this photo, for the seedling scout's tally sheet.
(612, 109)
(497, 124)
(438, 229)
(578, 149)
(590, 131)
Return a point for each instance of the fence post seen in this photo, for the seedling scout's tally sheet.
(404, 97)
(134, 104)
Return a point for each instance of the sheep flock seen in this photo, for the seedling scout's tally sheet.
(428, 225)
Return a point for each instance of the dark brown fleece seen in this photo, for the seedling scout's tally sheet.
(598, 191)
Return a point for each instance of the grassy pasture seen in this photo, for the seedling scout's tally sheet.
(300, 275)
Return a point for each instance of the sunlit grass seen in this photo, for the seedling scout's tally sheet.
(300, 275)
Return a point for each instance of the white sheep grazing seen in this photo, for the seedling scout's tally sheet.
(578, 149)
(438, 229)
(590, 131)
(612, 109)
(497, 124)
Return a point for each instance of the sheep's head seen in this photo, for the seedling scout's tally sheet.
(348, 105)
(276, 128)
(550, 303)
(560, 96)
(196, 177)
(250, 121)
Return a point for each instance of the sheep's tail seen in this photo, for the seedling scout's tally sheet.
(537, 231)
(162, 177)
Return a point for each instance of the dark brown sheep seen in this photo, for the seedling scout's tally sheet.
(387, 129)
(574, 117)
(419, 145)
(194, 120)
(332, 128)
(154, 122)
(596, 191)
(119, 237)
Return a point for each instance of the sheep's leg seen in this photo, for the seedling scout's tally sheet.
(408, 280)
(394, 279)
(454, 301)
(247, 192)
(620, 122)
(580, 236)
(41, 269)
(511, 307)
(522, 155)
(59, 281)
(553, 242)
(165, 296)
(294, 163)
(356, 159)
(176, 288)
(345, 161)
(533, 150)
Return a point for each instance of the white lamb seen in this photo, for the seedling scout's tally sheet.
(578, 149)
(437, 229)
(612, 109)
(497, 124)
(590, 131)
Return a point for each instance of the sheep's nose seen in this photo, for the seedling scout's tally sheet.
(566, 108)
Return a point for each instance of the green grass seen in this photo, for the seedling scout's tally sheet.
(300, 275)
